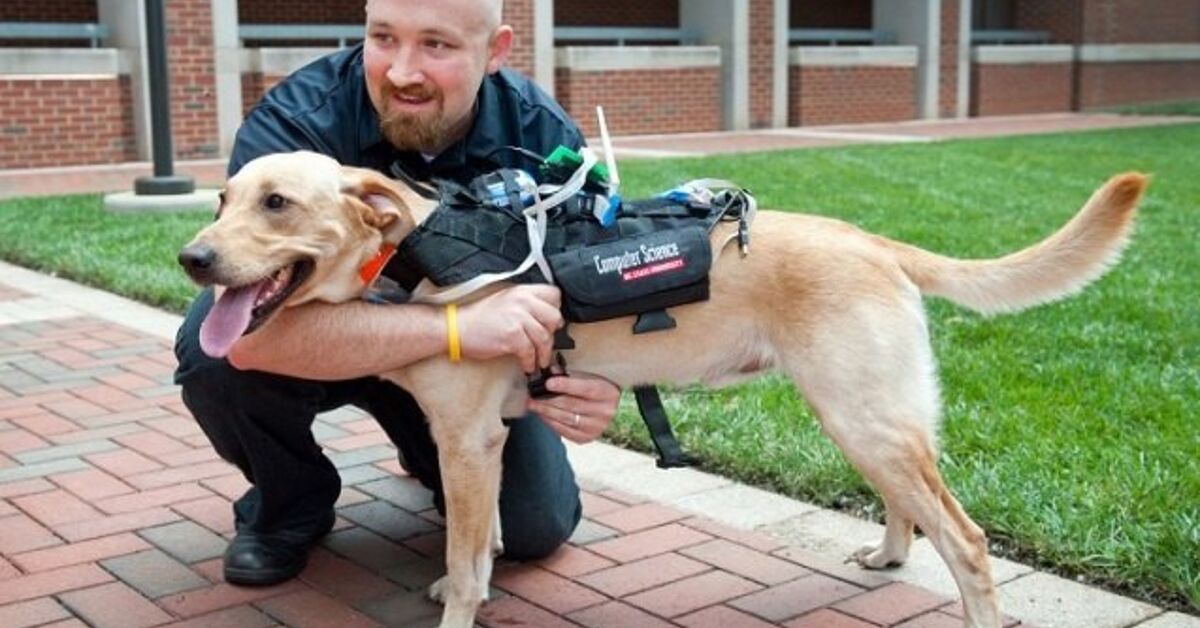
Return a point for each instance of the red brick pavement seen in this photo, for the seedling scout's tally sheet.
(114, 512)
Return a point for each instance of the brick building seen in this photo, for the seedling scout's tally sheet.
(73, 87)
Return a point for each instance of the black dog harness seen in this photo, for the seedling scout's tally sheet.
(654, 254)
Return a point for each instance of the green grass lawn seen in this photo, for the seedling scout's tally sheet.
(1180, 108)
(1070, 430)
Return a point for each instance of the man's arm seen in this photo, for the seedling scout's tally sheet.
(357, 339)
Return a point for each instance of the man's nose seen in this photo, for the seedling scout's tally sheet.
(405, 68)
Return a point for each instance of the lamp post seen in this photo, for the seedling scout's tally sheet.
(164, 181)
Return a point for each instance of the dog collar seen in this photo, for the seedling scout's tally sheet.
(370, 271)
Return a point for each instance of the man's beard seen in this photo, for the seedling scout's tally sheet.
(425, 132)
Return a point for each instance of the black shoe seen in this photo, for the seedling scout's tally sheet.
(262, 559)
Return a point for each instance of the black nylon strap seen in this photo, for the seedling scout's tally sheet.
(423, 189)
(670, 455)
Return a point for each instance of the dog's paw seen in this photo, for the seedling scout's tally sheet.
(440, 589)
(876, 557)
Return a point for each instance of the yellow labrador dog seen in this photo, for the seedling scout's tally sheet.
(836, 309)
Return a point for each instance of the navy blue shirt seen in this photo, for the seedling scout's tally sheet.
(324, 107)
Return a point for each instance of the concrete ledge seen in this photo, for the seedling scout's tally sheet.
(93, 302)
(849, 56)
(278, 61)
(1132, 53)
(1051, 602)
(1172, 620)
(128, 202)
(1021, 55)
(63, 63)
(605, 58)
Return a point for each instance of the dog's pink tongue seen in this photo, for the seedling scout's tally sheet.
(227, 320)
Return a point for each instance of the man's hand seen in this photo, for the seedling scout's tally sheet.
(586, 404)
(518, 321)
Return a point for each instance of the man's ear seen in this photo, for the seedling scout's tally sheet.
(380, 200)
(499, 47)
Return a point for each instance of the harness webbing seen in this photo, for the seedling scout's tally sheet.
(670, 454)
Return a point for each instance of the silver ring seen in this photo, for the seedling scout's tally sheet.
(576, 423)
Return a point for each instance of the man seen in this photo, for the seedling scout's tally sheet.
(425, 92)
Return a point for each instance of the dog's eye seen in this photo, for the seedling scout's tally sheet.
(275, 201)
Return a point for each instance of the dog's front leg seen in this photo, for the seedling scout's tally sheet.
(463, 404)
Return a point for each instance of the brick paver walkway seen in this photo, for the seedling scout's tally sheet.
(114, 512)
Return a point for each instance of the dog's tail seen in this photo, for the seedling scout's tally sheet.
(1061, 265)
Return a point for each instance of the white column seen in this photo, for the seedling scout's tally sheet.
(543, 44)
(126, 22)
(964, 59)
(779, 102)
(916, 23)
(725, 23)
(226, 51)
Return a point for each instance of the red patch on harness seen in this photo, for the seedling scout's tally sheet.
(655, 269)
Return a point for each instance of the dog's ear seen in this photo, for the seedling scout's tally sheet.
(381, 199)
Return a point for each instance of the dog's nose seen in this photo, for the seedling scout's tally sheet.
(197, 259)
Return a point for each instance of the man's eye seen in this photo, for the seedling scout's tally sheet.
(437, 44)
(275, 201)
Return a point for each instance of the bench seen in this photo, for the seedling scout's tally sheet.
(1006, 36)
(94, 33)
(620, 35)
(839, 36)
(343, 34)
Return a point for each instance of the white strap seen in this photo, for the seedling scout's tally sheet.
(535, 227)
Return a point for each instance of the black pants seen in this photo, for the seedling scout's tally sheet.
(262, 423)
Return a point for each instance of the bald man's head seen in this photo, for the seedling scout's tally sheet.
(424, 61)
(489, 13)
(494, 13)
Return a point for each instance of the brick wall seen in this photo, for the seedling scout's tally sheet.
(48, 11)
(1004, 89)
(617, 13)
(948, 60)
(254, 86)
(830, 14)
(193, 78)
(1106, 84)
(519, 14)
(762, 62)
(1140, 21)
(301, 12)
(1061, 18)
(647, 101)
(63, 122)
(834, 95)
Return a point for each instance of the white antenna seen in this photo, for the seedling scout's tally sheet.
(610, 160)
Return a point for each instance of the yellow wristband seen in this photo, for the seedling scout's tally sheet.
(453, 342)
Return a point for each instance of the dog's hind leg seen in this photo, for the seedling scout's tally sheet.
(892, 551)
(871, 382)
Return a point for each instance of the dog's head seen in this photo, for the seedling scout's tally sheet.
(292, 228)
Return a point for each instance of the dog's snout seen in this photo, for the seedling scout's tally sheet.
(198, 259)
